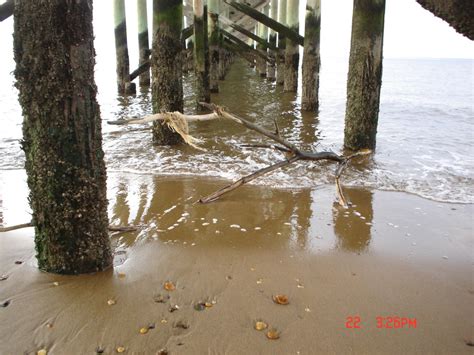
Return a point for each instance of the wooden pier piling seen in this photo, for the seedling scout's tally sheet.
(143, 45)
(62, 136)
(166, 66)
(292, 55)
(213, 33)
(262, 32)
(272, 53)
(311, 57)
(280, 59)
(365, 74)
(121, 49)
(201, 51)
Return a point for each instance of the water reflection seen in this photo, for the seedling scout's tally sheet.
(352, 226)
(252, 216)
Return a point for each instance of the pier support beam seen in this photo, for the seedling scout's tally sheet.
(201, 53)
(143, 46)
(262, 32)
(280, 63)
(292, 54)
(213, 29)
(62, 137)
(166, 66)
(273, 40)
(121, 49)
(311, 57)
(365, 74)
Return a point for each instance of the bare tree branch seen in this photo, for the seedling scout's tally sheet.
(288, 149)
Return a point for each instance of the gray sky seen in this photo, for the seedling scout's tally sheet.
(410, 31)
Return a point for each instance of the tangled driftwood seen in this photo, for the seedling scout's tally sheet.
(293, 154)
(178, 122)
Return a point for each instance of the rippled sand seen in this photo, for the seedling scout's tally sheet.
(391, 254)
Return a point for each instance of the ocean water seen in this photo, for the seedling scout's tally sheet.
(424, 141)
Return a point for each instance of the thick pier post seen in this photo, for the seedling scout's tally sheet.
(143, 46)
(166, 66)
(121, 49)
(213, 29)
(292, 55)
(273, 41)
(201, 51)
(280, 59)
(311, 57)
(262, 32)
(365, 74)
(62, 137)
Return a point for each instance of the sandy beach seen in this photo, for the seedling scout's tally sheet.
(390, 255)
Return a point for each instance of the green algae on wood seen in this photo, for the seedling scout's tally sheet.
(365, 74)
(311, 57)
(166, 66)
(62, 137)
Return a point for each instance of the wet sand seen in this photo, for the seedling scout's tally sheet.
(391, 254)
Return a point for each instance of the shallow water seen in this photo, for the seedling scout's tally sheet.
(424, 143)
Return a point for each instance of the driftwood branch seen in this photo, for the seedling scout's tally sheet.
(111, 228)
(214, 196)
(163, 116)
(289, 149)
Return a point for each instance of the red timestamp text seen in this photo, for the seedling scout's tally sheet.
(388, 322)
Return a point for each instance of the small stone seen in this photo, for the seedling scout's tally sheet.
(121, 275)
(307, 309)
(55, 283)
(120, 349)
(260, 325)
(281, 299)
(169, 286)
(111, 302)
(144, 330)
(99, 350)
(164, 321)
(257, 228)
(259, 281)
(151, 326)
(273, 334)
(42, 352)
(445, 257)
(49, 325)
(5, 304)
(200, 306)
(173, 308)
(159, 298)
(3, 277)
(19, 262)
